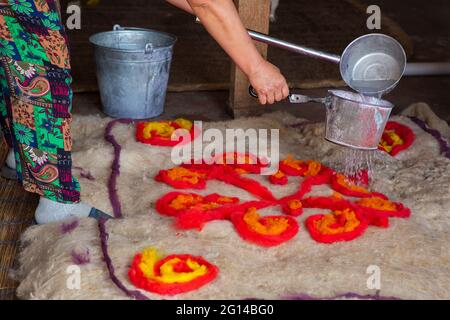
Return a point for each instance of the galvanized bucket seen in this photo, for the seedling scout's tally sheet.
(133, 67)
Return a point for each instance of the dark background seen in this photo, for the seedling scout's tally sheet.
(322, 24)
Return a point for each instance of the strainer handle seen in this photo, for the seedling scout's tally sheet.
(299, 98)
(296, 98)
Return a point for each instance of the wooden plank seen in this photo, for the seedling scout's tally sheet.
(255, 16)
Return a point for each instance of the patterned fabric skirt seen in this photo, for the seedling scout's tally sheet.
(36, 97)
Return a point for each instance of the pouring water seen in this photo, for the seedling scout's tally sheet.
(371, 65)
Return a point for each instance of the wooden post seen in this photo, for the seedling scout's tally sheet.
(255, 16)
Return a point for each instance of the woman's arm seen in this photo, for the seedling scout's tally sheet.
(182, 4)
(222, 21)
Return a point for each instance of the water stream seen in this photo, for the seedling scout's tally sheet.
(352, 162)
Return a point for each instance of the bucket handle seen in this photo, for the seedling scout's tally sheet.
(117, 27)
(148, 47)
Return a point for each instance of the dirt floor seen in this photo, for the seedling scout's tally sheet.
(426, 22)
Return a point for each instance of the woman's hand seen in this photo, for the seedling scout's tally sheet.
(268, 82)
(222, 21)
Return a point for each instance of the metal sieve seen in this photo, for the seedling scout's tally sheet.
(353, 120)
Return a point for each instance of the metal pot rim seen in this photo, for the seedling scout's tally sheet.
(370, 35)
(351, 146)
(341, 94)
(92, 39)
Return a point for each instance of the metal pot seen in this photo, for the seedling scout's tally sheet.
(372, 64)
(353, 120)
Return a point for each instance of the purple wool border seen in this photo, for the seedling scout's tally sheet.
(115, 168)
(117, 209)
(445, 148)
(81, 258)
(85, 173)
(348, 295)
(68, 227)
(112, 274)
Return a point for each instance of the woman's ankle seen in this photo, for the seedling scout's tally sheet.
(11, 159)
(51, 211)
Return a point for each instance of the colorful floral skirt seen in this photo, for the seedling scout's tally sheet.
(36, 97)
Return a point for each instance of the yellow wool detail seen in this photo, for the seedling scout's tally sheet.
(240, 171)
(327, 225)
(396, 141)
(343, 181)
(185, 201)
(184, 124)
(314, 168)
(209, 206)
(337, 196)
(272, 227)
(169, 275)
(295, 204)
(291, 162)
(163, 129)
(150, 257)
(225, 199)
(279, 175)
(190, 201)
(378, 203)
(183, 174)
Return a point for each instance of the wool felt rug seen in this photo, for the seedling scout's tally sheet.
(412, 254)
